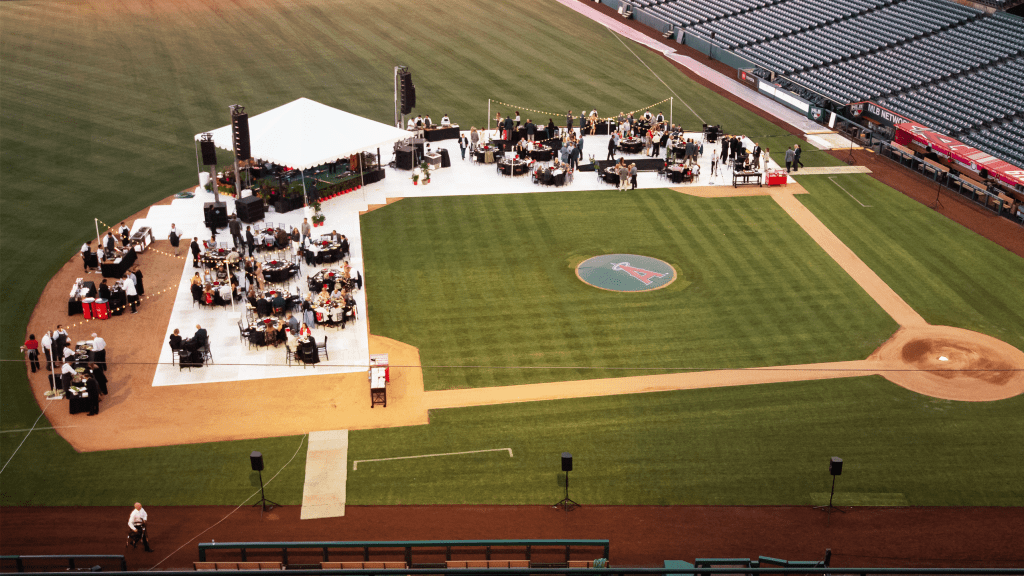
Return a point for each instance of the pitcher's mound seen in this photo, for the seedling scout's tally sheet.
(953, 363)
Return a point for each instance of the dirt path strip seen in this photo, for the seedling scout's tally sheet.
(653, 383)
(879, 291)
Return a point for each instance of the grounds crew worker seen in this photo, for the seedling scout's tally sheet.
(137, 525)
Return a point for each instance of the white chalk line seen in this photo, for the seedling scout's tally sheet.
(355, 463)
(833, 179)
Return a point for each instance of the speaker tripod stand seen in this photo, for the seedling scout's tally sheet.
(566, 503)
(263, 498)
(829, 508)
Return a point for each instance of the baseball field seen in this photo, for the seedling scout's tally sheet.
(100, 103)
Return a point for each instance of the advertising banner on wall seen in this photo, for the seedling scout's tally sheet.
(959, 153)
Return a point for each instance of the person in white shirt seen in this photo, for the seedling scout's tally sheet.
(99, 348)
(86, 251)
(67, 353)
(426, 122)
(130, 292)
(137, 522)
(412, 124)
(445, 121)
(46, 342)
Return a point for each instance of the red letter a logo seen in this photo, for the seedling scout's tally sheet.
(638, 273)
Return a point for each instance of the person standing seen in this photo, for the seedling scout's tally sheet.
(725, 149)
(789, 158)
(175, 238)
(140, 288)
(474, 138)
(306, 229)
(195, 252)
(109, 243)
(568, 122)
(32, 348)
(46, 342)
(235, 227)
(611, 148)
(632, 175)
(125, 233)
(623, 175)
(757, 156)
(60, 341)
(508, 131)
(130, 292)
(137, 523)
(101, 378)
(463, 144)
(250, 240)
(99, 349)
(86, 254)
(796, 157)
(531, 130)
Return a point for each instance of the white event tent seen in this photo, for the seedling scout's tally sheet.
(302, 134)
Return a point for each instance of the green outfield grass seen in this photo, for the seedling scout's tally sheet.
(490, 281)
(949, 274)
(763, 444)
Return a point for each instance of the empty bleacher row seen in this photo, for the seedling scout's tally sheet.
(780, 19)
(856, 35)
(952, 51)
(1004, 141)
(964, 103)
(690, 12)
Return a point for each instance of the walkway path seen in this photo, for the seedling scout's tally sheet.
(323, 494)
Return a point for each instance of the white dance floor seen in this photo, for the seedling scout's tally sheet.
(347, 348)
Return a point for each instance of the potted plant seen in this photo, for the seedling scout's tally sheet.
(425, 168)
(318, 216)
(415, 176)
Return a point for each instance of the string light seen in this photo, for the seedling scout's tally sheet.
(560, 113)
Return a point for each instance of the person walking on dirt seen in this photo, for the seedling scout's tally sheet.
(137, 524)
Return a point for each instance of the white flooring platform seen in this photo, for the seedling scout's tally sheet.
(347, 348)
(325, 487)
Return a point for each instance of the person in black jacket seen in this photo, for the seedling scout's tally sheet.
(235, 226)
(611, 148)
(531, 130)
(250, 240)
(195, 252)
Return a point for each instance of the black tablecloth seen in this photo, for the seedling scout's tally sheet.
(117, 269)
(516, 169)
(610, 175)
(77, 404)
(604, 129)
(308, 353)
(436, 134)
(541, 155)
(631, 146)
(481, 155)
(74, 306)
(446, 161)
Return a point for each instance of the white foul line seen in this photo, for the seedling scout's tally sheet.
(833, 179)
(355, 463)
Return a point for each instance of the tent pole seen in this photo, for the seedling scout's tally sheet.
(98, 244)
(213, 183)
(305, 195)
(199, 167)
(238, 181)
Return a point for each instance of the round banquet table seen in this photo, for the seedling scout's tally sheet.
(513, 167)
(541, 153)
(610, 175)
(631, 145)
(278, 271)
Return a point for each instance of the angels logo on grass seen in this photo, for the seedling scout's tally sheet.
(626, 272)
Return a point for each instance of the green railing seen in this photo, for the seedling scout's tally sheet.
(19, 560)
(410, 546)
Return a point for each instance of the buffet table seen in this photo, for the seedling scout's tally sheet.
(746, 178)
(118, 267)
(379, 377)
(435, 134)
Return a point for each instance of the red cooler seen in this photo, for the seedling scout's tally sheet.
(87, 307)
(99, 309)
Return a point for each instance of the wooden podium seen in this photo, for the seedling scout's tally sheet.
(379, 376)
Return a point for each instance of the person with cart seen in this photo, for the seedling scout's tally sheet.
(137, 522)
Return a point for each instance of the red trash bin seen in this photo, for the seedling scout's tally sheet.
(99, 309)
(87, 307)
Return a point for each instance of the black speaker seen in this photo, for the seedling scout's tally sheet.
(835, 466)
(249, 209)
(408, 92)
(256, 459)
(216, 214)
(240, 135)
(209, 151)
(566, 462)
(403, 157)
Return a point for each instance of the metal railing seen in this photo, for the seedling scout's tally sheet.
(408, 547)
(19, 560)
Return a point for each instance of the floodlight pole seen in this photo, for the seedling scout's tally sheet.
(238, 177)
